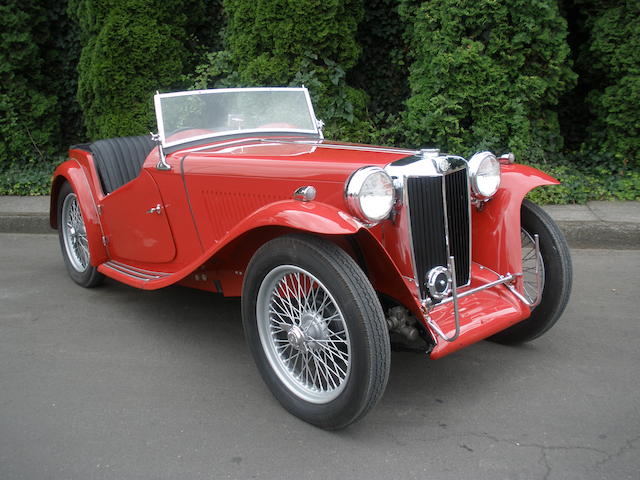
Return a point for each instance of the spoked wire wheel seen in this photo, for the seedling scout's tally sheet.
(531, 260)
(304, 334)
(316, 329)
(555, 270)
(74, 234)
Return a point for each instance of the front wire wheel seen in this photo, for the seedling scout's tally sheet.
(531, 261)
(316, 330)
(557, 274)
(72, 233)
(303, 334)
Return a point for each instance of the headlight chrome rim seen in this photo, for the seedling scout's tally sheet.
(476, 164)
(353, 192)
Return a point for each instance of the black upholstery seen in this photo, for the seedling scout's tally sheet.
(119, 160)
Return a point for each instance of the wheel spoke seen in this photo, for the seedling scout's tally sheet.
(284, 304)
(532, 265)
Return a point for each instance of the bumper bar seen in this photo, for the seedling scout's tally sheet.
(508, 280)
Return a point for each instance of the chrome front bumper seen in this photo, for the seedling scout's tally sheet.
(508, 280)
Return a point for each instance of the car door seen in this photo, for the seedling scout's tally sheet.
(135, 223)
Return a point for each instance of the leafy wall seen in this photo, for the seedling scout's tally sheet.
(558, 82)
(487, 75)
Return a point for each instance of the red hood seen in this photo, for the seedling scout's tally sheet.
(290, 157)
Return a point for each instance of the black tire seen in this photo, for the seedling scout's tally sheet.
(357, 308)
(558, 275)
(80, 270)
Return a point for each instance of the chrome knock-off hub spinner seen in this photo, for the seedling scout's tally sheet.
(315, 328)
(296, 338)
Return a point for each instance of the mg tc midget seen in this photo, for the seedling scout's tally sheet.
(338, 250)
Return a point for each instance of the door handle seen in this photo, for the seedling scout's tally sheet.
(155, 209)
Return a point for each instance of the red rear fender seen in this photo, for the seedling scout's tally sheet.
(72, 172)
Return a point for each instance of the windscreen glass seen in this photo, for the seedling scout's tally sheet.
(186, 116)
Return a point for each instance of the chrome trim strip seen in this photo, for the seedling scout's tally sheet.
(141, 270)
(347, 147)
(445, 214)
(124, 272)
(135, 272)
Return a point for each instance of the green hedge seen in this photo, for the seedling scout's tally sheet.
(293, 42)
(613, 55)
(487, 75)
(131, 49)
(382, 69)
(29, 114)
(463, 75)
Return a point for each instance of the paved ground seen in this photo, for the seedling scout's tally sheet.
(594, 225)
(116, 383)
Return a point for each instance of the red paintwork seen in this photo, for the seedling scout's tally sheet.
(496, 230)
(75, 172)
(138, 236)
(220, 204)
(484, 313)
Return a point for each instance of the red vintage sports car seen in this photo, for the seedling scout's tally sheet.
(338, 250)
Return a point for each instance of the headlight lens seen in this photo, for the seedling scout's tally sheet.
(484, 170)
(370, 194)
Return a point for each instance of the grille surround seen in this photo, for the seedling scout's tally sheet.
(439, 217)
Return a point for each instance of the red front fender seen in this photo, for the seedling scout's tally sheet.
(496, 229)
(312, 217)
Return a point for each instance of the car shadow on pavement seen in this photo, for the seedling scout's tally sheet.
(206, 328)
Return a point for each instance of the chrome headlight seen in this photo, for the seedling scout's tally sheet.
(370, 195)
(484, 172)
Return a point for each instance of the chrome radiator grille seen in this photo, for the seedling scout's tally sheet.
(437, 205)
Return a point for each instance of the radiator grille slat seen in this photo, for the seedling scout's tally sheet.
(427, 213)
(457, 194)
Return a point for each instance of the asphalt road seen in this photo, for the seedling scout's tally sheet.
(116, 383)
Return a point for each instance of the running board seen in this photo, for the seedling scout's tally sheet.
(130, 275)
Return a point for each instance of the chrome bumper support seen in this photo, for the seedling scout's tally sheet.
(508, 280)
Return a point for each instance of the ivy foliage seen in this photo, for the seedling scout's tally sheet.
(131, 49)
(29, 112)
(487, 75)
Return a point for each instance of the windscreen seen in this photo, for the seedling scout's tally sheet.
(187, 116)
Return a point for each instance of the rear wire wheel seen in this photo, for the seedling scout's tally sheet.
(316, 330)
(74, 243)
(556, 272)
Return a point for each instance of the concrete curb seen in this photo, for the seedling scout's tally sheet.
(609, 235)
(25, 223)
(610, 225)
